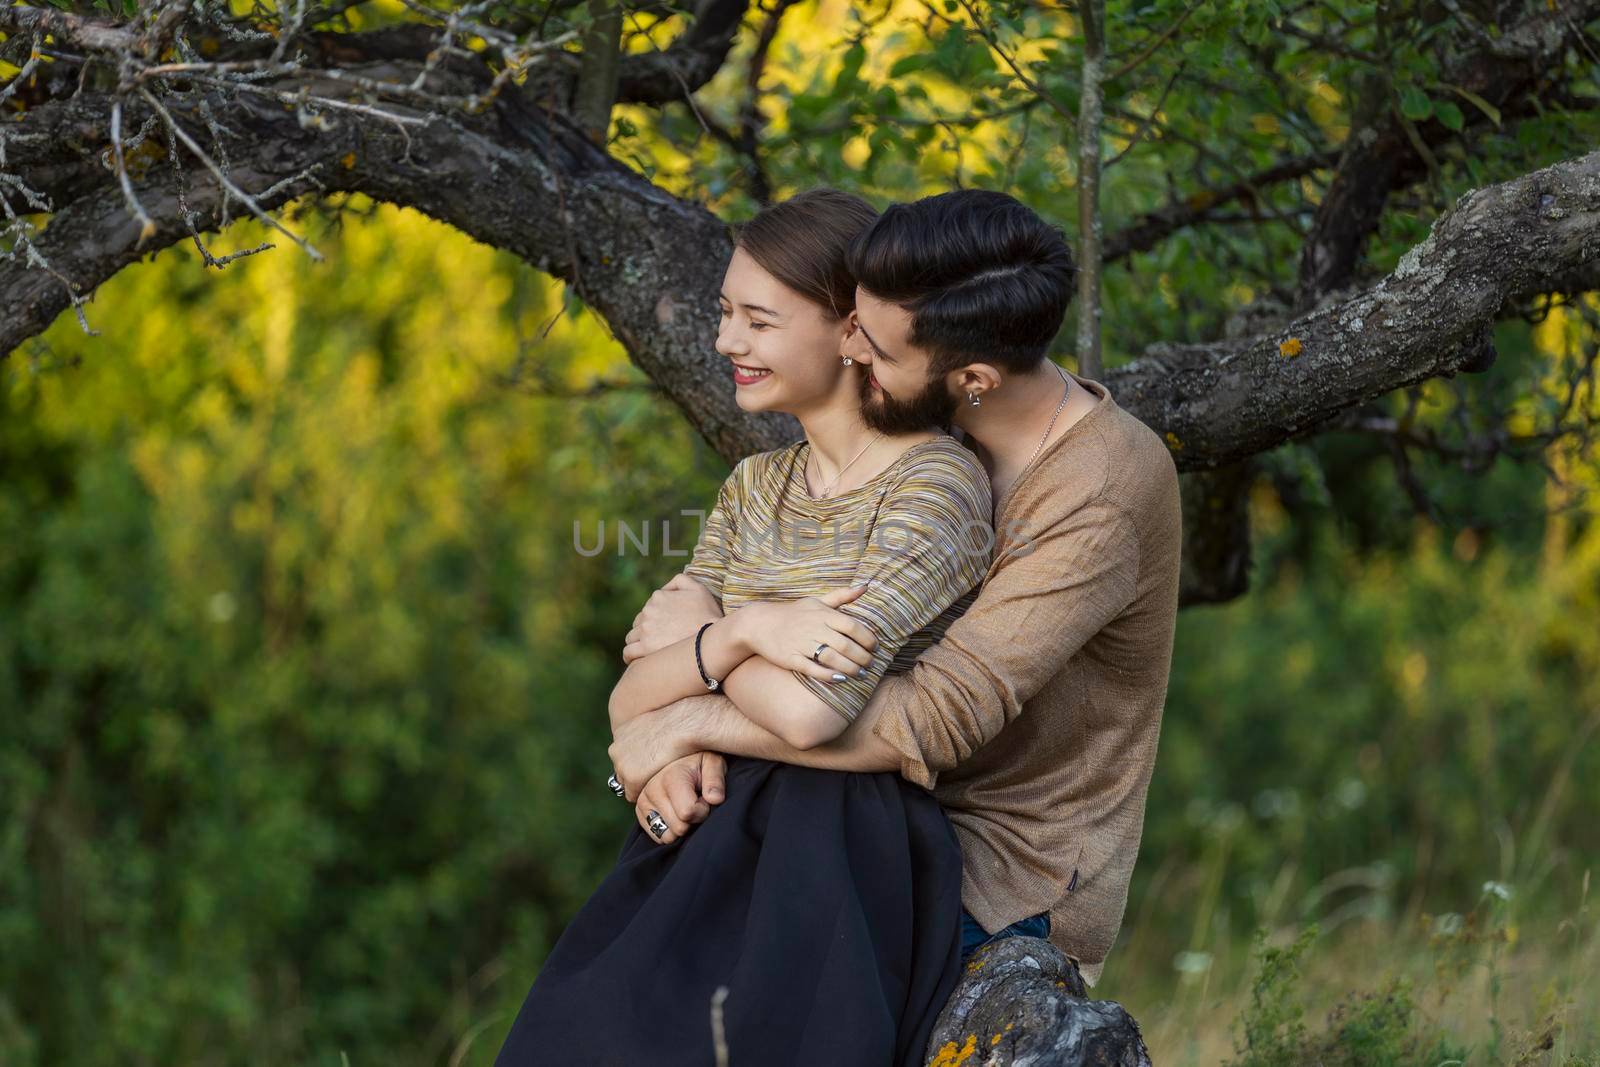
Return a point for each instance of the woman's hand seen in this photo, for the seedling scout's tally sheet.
(673, 612)
(786, 634)
(683, 793)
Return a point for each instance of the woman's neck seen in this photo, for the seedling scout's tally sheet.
(837, 435)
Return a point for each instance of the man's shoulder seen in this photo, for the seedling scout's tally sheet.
(1135, 460)
(1119, 471)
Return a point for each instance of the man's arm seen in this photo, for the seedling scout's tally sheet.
(1044, 600)
(712, 723)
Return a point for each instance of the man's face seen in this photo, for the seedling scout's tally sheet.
(897, 393)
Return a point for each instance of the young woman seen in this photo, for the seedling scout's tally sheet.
(827, 903)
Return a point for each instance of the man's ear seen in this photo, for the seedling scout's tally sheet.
(976, 378)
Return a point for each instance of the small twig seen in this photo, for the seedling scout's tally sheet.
(21, 77)
(147, 225)
(1134, 63)
(244, 197)
(189, 216)
(719, 1039)
(1144, 127)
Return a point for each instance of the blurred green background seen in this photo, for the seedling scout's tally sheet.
(303, 680)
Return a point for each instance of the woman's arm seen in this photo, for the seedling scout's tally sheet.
(747, 651)
(775, 699)
(656, 680)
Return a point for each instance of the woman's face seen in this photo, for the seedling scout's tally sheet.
(783, 349)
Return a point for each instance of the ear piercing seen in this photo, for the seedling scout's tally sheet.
(972, 399)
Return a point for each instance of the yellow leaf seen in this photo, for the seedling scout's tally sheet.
(1173, 442)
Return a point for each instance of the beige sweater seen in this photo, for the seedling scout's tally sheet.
(1034, 718)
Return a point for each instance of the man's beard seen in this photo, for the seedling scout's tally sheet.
(931, 407)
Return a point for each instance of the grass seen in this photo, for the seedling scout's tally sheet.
(1498, 984)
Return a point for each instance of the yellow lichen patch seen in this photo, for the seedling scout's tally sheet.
(995, 1040)
(1290, 348)
(1173, 442)
(951, 1056)
(349, 160)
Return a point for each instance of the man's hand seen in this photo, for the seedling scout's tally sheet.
(644, 744)
(683, 793)
(673, 612)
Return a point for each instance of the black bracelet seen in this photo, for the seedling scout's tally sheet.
(711, 683)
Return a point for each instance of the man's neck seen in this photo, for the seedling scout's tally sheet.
(1010, 422)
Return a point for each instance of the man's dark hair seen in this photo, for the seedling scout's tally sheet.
(984, 277)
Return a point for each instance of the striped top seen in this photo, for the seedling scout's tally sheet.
(918, 532)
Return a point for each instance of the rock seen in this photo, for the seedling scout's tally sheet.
(1022, 1003)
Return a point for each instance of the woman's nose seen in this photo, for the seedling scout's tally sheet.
(730, 344)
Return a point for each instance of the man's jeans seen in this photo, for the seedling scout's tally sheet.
(973, 936)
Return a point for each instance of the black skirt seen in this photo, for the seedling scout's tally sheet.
(827, 902)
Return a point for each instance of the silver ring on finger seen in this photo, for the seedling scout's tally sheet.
(658, 825)
(616, 787)
(816, 657)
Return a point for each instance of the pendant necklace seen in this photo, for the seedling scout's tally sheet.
(828, 489)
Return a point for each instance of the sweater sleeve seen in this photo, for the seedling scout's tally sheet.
(929, 545)
(1046, 596)
(709, 563)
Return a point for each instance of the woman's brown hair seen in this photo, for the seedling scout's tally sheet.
(804, 242)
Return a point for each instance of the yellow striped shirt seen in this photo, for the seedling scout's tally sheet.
(918, 532)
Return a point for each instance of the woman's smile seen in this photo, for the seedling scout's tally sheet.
(743, 375)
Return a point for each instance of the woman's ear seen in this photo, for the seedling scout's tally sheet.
(847, 330)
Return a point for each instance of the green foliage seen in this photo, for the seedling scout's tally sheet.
(1381, 1029)
(304, 741)
(1274, 1016)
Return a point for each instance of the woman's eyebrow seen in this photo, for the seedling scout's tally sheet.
(751, 307)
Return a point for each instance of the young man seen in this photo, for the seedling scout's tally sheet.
(1034, 719)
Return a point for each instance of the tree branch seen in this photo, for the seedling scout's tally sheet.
(1216, 403)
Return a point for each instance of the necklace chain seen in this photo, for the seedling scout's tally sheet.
(1053, 418)
(828, 489)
